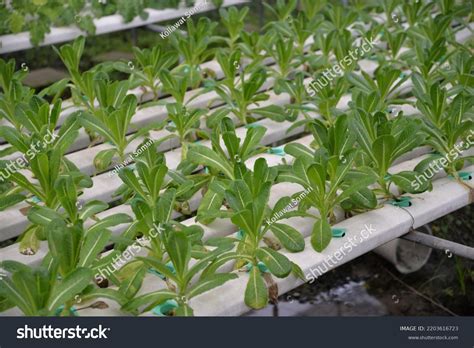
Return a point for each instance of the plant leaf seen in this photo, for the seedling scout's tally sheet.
(290, 238)
(256, 293)
(277, 263)
(321, 235)
(205, 156)
(70, 286)
(209, 283)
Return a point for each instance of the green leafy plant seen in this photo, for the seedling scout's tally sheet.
(184, 122)
(282, 9)
(283, 52)
(253, 48)
(328, 176)
(152, 201)
(14, 97)
(445, 123)
(234, 20)
(80, 83)
(224, 164)
(108, 109)
(113, 120)
(42, 157)
(39, 292)
(383, 140)
(38, 16)
(338, 20)
(193, 48)
(72, 257)
(377, 94)
(325, 101)
(151, 63)
(241, 93)
(64, 279)
(248, 199)
(183, 286)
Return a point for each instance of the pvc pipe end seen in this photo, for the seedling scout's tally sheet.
(406, 256)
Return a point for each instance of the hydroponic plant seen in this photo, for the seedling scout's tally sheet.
(328, 177)
(181, 223)
(248, 198)
(39, 16)
(241, 93)
(181, 290)
(224, 165)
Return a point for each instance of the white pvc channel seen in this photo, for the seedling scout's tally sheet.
(104, 25)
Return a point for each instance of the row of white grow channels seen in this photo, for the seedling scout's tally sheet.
(108, 24)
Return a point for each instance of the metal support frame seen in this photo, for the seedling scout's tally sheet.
(441, 244)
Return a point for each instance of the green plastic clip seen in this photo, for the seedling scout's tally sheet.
(402, 202)
(252, 125)
(466, 176)
(279, 151)
(72, 311)
(387, 177)
(239, 234)
(338, 232)
(169, 265)
(35, 199)
(206, 170)
(261, 267)
(165, 308)
(209, 84)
